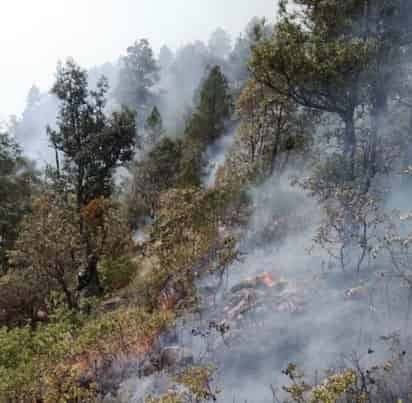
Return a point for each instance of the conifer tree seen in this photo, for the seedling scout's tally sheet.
(138, 75)
(209, 121)
(214, 107)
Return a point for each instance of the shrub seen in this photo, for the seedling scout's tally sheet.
(66, 360)
(117, 272)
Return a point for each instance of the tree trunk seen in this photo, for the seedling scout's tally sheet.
(93, 287)
(277, 141)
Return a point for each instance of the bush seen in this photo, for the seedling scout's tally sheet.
(186, 238)
(117, 273)
(67, 360)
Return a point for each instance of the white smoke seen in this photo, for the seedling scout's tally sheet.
(216, 155)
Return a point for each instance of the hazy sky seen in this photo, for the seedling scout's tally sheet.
(35, 34)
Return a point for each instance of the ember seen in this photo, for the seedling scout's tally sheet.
(266, 279)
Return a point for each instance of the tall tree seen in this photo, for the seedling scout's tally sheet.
(166, 57)
(92, 145)
(272, 128)
(317, 66)
(138, 74)
(220, 43)
(386, 24)
(214, 106)
(52, 251)
(209, 121)
(33, 96)
(155, 174)
(318, 59)
(256, 30)
(17, 185)
(340, 58)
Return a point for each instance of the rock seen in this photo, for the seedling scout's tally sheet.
(176, 356)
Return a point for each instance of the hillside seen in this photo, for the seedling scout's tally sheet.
(227, 222)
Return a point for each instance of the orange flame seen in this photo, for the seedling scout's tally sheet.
(266, 279)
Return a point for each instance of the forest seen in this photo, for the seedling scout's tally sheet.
(230, 221)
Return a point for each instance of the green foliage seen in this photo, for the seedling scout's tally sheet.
(117, 273)
(315, 69)
(174, 163)
(21, 298)
(381, 383)
(318, 65)
(26, 358)
(47, 364)
(49, 247)
(214, 107)
(17, 186)
(50, 250)
(337, 59)
(139, 73)
(168, 398)
(334, 388)
(319, 61)
(196, 387)
(158, 172)
(193, 162)
(92, 145)
(185, 234)
(207, 124)
(272, 130)
(197, 381)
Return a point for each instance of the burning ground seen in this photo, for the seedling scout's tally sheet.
(280, 302)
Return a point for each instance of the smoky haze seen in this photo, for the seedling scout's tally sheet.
(33, 36)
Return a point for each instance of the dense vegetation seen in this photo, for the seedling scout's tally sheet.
(103, 249)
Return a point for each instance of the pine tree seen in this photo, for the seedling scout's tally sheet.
(33, 97)
(214, 107)
(138, 75)
(220, 43)
(209, 121)
(166, 57)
